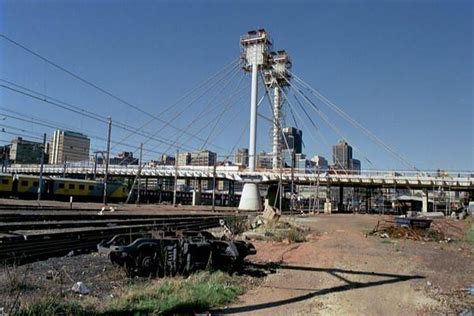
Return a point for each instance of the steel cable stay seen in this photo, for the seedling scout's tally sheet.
(225, 109)
(318, 130)
(329, 123)
(233, 118)
(170, 146)
(200, 115)
(355, 123)
(217, 77)
(207, 106)
(205, 125)
(76, 109)
(302, 121)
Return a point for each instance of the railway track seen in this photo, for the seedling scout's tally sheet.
(23, 242)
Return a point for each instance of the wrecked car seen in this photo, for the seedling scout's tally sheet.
(180, 253)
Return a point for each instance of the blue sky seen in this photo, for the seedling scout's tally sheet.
(403, 69)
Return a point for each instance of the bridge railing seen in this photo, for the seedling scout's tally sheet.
(88, 168)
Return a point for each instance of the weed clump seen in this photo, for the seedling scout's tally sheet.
(169, 296)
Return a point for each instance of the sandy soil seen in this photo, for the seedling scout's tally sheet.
(340, 271)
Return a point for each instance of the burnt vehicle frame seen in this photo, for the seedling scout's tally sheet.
(180, 253)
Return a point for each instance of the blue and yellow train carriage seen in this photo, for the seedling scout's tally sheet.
(27, 186)
(6, 184)
(85, 190)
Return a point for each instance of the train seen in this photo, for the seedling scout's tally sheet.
(26, 187)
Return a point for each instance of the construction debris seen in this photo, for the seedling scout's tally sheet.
(80, 288)
(390, 230)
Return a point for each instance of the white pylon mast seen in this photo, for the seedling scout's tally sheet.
(277, 78)
(255, 47)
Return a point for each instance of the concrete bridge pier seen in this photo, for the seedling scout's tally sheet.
(197, 193)
(340, 205)
(424, 201)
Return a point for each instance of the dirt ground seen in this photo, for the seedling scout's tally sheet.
(340, 270)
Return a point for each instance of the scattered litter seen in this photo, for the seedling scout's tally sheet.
(80, 288)
(384, 235)
(112, 209)
(70, 253)
(51, 275)
(428, 283)
(470, 290)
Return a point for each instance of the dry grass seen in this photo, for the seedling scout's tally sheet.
(198, 293)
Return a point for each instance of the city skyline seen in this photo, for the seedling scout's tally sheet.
(401, 121)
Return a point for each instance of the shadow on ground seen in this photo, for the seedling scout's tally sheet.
(261, 270)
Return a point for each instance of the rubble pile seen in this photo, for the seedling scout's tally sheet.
(390, 230)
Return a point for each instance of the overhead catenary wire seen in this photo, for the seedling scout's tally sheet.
(54, 127)
(91, 84)
(89, 114)
(116, 124)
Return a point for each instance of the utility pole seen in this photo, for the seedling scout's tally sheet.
(317, 188)
(64, 166)
(139, 172)
(106, 176)
(293, 161)
(214, 188)
(40, 186)
(175, 189)
(95, 166)
(280, 189)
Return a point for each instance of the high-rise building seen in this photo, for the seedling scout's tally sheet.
(25, 151)
(69, 146)
(184, 159)
(124, 159)
(264, 160)
(242, 157)
(203, 158)
(342, 158)
(166, 160)
(320, 162)
(341, 155)
(293, 139)
(354, 166)
(5, 155)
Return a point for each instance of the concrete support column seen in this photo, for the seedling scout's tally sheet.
(424, 202)
(340, 206)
